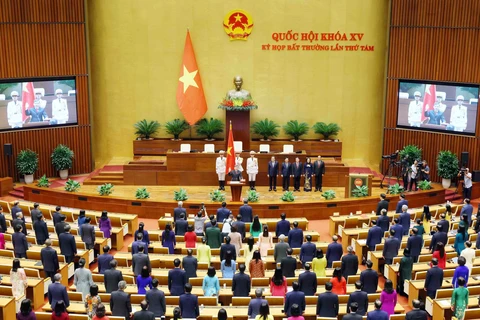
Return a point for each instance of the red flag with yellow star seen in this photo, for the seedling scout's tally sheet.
(230, 151)
(190, 97)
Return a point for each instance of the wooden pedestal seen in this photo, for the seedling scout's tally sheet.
(236, 189)
(241, 127)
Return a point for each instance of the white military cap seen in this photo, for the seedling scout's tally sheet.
(417, 93)
(14, 93)
(58, 91)
(460, 98)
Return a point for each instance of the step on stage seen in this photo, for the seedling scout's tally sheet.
(307, 204)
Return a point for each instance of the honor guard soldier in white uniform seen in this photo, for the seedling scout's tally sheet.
(59, 108)
(458, 117)
(238, 162)
(14, 111)
(221, 167)
(38, 99)
(252, 169)
(415, 110)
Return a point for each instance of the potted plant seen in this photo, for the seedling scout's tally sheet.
(412, 152)
(447, 167)
(62, 159)
(142, 193)
(217, 196)
(329, 194)
(176, 127)
(43, 182)
(295, 129)
(27, 164)
(265, 128)
(105, 189)
(180, 195)
(360, 191)
(209, 128)
(326, 130)
(146, 129)
(395, 189)
(252, 196)
(72, 185)
(424, 185)
(288, 196)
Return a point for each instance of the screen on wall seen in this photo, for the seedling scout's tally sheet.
(26, 104)
(440, 107)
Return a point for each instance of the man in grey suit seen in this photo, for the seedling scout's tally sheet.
(88, 234)
(156, 300)
(112, 277)
(120, 302)
(281, 248)
(35, 213)
(140, 260)
(190, 264)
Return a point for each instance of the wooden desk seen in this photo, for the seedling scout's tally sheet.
(7, 305)
(37, 265)
(34, 292)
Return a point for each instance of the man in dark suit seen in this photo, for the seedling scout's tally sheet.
(295, 236)
(439, 236)
(318, 172)
(56, 215)
(139, 260)
(104, 260)
(15, 209)
(179, 210)
(112, 277)
(308, 250)
(190, 265)
(181, 225)
(255, 303)
(120, 305)
(19, 221)
(327, 303)
(35, 213)
(398, 229)
(188, 303)
(60, 226)
(289, 265)
(57, 292)
(241, 283)
(382, 204)
(378, 313)
(308, 281)
(272, 174)
(20, 244)
(444, 223)
(416, 313)
(294, 297)
(88, 234)
(283, 226)
(41, 230)
(137, 243)
(297, 173)
(415, 244)
(246, 212)
(383, 221)
(369, 278)
(375, 236)
(156, 300)
(280, 250)
(360, 298)
(286, 174)
(3, 222)
(208, 223)
(334, 251)
(213, 236)
(49, 258)
(68, 247)
(353, 312)
(349, 263)
(468, 210)
(177, 278)
(402, 202)
(390, 248)
(223, 212)
(434, 279)
(227, 246)
(143, 314)
(405, 220)
(240, 225)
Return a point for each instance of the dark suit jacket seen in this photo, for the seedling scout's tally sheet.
(111, 278)
(177, 212)
(88, 233)
(352, 316)
(283, 227)
(189, 305)
(57, 292)
(3, 224)
(35, 214)
(434, 279)
(139, 260)
(297, 171)
(41, 231)
(445, 225)
(177, 278)
(56, 216)
(14, 210)
(214, 237)
(288, 265)
(405, 222)
(374, 237)
(20, 222)
(327, 305)
(294, 297)
(295, 238)
(369, 280)
(181, 227)
(156, 301)
(36, 115)
(391, 247)
(254, 307)
(360, 297)
(138, 243)
(227, 247)
(240, 225)
(67, 244)
(377, 315)
(104, 262)
(280, 251)
(334, 252)
(247, 213)
(241, 285)
(20, 244)
(383, 222)
(398, 231)
(416, 314)
(318, 167)
(143, 315)
(60, 227)
(438, 237)
(222, 214)
(415, 244)
(286, 170)
(308, 283)
(190, 265)
(308, 252)
(120, 304)
(400, 204)
(272, 169)
(349, 265)
(49, 258)
(468, 210)
(382, 204)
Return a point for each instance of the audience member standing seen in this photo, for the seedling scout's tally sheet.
(256, 267)
(415, 244)
(178, 211)
(295, 236)
(353, 315)
(434, 279)
(388, 297)
(188, 303)
(383, 221)
(349, 263)
(105, 225)
(339, 283)
(334, 251)
(439, 236)
(405, 219)
(177, 278)
(398, 229)
(307, 250)
(369, 278)
(459, 299)
(440, 255)
(460, 272)
(319, 264)
(227, 266)
(390, 248)
(278, 284)
(120, 304)
(101, 311)
(460, 238)
(227, 246)
(382, 204)
(181, 225)
(156, 300)
(255, 303)
(308, 281)
(199, 224)
(211, 285)
(426, 217)
(19, 241)
(35, 213)
(88, 234)
(57, 292)
(112, 277)
(295, 313)
(190, 237)
(360, 298)
(144, 280)
(49, 258)
(92, 300)
(241, 283)
(378, 313)
(246, 212)
(190, 265)
(255, 227)
(289, 264)
(143, 314)
(139, 260)
(240, 226)
(168, 239)
(104, 260)
(26, 312)
(467, 210)
(405, 270)
(213, 235)
(327, 302)
(469, 254)
(401, 202)
(416, 313)
(60, 311)
(374, 236)
(80, 221)
(265, 241)
(60, 226)
(41, 230)
(82, 278)
(18, 278)
(3, 222)
(235, 239)
(280, 249)
(294, 297)
(283, 226)
(145, 236)
(223, 213)
(248, 250)
(204, 252)
(264, 312)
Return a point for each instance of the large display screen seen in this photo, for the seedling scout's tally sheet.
(26, 104)
(450, 108)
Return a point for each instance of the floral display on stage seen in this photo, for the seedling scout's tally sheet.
(238, 104)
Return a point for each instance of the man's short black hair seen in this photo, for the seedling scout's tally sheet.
(328, 286)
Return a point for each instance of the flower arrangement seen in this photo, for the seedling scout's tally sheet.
(238, 104)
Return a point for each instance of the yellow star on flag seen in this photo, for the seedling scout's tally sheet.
(188, 79)
(228, 150)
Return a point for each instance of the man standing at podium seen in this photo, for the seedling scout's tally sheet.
(252, 169)
(272, 174)
(318, 172)
(221, 168)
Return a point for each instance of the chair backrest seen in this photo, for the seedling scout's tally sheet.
(288, 148)
(351, 222)
(239, 301)
(77, 296)
(207, 301)
(209, 147)
(403, 95)
(5, 206)
(172, 300)
(7, 253)
(238, 146)
(264, 148)
(274, 301)
(185, 147)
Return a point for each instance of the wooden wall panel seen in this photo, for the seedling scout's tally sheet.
(432, 40)
(41, 39)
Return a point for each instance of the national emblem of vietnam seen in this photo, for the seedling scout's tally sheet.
(238, 24)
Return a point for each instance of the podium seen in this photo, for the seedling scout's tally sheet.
(356, 179)
(236, 189)
(241, 127)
